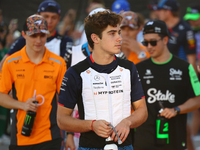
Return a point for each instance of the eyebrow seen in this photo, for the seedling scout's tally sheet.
(113, 31)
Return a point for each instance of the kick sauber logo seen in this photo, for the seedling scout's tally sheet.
(157, 95)
(175, 74)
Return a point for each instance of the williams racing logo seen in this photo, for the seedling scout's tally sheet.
(108, 92)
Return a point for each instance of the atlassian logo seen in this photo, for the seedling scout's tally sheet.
(159, 96)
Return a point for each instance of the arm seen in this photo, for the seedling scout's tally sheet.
(68, 123)
(192, 60)
(138, 117)
(190, 105)
(69, 143)
(2, 61)
(10, 103)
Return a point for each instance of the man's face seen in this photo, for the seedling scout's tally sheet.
(162, 14)
(128, 32)
(36, 42)
(157, 50)
(111, 40)
(52, 20)
(195, 23)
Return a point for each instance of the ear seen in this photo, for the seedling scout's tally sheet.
(95, 38)
(165, 40)
(24, 34)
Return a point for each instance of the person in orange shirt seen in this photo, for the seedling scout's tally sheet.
(34, 74)
(130, 27)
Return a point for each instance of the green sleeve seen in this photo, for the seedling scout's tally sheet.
(194, 80)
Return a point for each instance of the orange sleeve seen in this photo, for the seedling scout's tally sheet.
(6, 79)
(63, 69)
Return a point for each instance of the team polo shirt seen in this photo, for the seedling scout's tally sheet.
(182, 41)
(24, 77)
(172, 83)
(101, 92)
(134, 57)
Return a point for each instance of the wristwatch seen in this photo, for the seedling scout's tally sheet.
(177, 110)
(142, 55)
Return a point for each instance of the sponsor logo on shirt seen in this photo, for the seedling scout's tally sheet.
(108, 92)
(157, 95)
(20, 76)
(175, 74)
(48, 77)
(148, 76)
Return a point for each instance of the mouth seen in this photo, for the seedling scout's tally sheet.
(118, 45)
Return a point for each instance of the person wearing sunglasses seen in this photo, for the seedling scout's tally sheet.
(170, 82)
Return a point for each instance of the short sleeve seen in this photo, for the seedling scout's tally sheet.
(6, 79)
(70, 90)
(137, 92)
(61, 74)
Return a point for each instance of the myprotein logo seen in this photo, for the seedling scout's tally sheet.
(157, 95)
(108, 92)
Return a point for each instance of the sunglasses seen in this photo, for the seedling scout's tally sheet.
(153, 43)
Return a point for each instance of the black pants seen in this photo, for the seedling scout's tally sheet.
(49, 145)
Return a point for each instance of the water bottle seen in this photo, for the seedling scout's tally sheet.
(110, 145)
(28, 122)
(162, 128)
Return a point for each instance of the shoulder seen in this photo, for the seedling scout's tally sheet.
(146, 62)
(185, 25)
(56, 58)
(125, 63)
(81, 66)
(14, 57)
(178, 61)
(64, 39)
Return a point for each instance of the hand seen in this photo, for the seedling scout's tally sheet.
(168, 113)
(102, 128)
(29, 105)
(123, 129)
(70, 142)
(131, 45)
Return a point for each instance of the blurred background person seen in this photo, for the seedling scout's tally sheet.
(152, 6)
(193, 17)
(120, 6)
(182, 42)
(67, 25)
(79, 35)
(130, 27)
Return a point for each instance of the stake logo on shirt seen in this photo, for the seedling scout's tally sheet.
(157, 95)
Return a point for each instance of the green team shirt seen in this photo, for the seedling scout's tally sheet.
(172, 83)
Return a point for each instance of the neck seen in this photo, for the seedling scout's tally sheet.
(102, 58)
(172, 22)
(35, 57)
(51, 33)
(164, 57)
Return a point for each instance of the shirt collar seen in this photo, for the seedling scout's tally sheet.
(26, 59)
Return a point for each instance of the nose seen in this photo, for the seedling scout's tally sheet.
(38, 39)
(119, 38)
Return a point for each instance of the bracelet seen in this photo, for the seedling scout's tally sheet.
(92, 124)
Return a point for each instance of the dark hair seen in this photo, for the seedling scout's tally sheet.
(141, 19)
(98, 22)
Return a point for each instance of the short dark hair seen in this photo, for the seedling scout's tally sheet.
(98, 22)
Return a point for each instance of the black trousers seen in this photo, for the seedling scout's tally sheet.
(49, 145)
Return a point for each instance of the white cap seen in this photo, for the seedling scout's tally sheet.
(97, 10)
